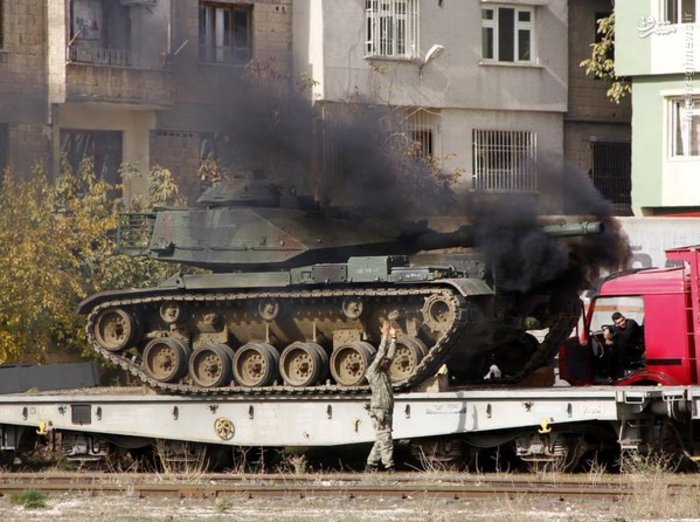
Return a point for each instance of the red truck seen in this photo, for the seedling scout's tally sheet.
(665, 302)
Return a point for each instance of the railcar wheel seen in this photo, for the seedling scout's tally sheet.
(211, 365)
(115, 329)
(255, 364)
(409, 353)
(303, 364)
(349, 362)
(166, 359)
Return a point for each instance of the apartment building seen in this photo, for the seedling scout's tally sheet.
(482, 87)
(143, 82)
(657, 46)
(597, 131)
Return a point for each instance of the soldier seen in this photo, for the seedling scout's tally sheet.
(381, 407)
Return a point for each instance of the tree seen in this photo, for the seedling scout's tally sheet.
(56, 248)
(601, 63)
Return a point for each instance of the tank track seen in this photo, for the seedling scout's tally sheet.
(436, 355)
(448, 343)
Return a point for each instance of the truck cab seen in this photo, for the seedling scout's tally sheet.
(665, 302)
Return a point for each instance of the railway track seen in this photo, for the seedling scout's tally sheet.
(401, 485)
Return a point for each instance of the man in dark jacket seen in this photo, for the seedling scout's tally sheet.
(626, 338)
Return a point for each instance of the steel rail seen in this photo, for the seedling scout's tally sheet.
(305, 486)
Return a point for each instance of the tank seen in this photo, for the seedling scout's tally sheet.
(295, 295)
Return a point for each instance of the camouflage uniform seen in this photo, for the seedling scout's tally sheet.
(381, 407)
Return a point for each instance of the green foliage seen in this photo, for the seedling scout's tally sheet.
(601, 63)
(56, 248)
(29, 498)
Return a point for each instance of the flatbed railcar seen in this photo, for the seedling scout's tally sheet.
(551, 425)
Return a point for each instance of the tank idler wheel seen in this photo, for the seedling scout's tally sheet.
(166, 359)
(303, 364)
(349, 362)
(438, 313)
(115, 329)
(211, 365)
(409, 353)
(255, 364)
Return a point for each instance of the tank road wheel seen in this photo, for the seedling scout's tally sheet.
(115, 329)
(211, 365)
(438, 313)
(349, 362)
(409, 353)
(165, 359)
(255, 364)
(303, 364)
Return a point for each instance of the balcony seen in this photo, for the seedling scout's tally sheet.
(117, 76)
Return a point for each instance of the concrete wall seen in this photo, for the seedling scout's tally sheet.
(23, 105)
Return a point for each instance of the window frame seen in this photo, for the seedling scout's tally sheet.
(493, 25)
(673, 17)
(401, 26)
(676, 105)
(216, 42)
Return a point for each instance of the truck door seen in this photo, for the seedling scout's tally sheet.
(585, 358)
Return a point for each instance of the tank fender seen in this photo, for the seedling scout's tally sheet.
(467, 286)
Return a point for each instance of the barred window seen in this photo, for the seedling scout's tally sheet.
(392, 28)
(507, 34)
(504, 160)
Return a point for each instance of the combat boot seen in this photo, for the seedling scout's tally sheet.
(390, 469)
(371, 468)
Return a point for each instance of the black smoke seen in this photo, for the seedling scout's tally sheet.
(372, 170)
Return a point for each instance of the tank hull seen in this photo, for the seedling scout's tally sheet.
(316, 328)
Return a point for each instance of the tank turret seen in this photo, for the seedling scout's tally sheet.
(297, 294)
(247, 228)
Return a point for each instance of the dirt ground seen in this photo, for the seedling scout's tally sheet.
(126, 508)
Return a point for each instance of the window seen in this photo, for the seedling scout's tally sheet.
(225, 33)
(418, 126)
(103, 147)
(611, 172)
(685, 127)
(392, 28)
(506, 34)
(503, 160)
(100, 33)
(678, 11)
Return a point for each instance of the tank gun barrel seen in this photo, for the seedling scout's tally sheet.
(574, 228)
(464, 236)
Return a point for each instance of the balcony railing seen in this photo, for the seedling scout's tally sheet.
(98, 56)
